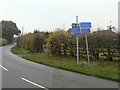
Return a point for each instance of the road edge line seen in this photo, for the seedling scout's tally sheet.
(33, 83)
(4, 68)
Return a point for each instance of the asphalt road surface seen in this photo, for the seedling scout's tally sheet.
(20, 73)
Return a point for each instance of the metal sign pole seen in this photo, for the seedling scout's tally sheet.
(77, 51)
(77, 42)
(87, 49)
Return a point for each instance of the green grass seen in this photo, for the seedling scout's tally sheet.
(17, 50)
(103, 69)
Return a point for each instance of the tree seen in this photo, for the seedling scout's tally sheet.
(9, 29)
(36, 31)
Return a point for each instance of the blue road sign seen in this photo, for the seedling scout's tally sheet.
(76, 33)
(85, 25)
(75, 30)
(85, 30)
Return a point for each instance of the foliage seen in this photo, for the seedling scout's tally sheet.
(36, 31)
(102, 45)
(100, 68)
(58, 41)
(3, 41)
(33, 41)
(9, 29)
(37, 42)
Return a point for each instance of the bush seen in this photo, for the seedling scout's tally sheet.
(58, 42)
(3, 41)
(102, 45)
(32, 42)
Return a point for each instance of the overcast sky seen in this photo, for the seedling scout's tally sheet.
(47, 15)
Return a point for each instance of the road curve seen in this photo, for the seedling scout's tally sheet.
(26, 74)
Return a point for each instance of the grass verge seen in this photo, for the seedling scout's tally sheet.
(103, 69)
(17, 50)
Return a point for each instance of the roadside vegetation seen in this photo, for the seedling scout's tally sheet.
(17, 50)
(7, 32)
(104, 69)
(3, 42)
(58, 49)
(34, 42)
(102, 45)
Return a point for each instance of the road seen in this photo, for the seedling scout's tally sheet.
(20, 73)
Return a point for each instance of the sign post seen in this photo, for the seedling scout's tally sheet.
(76, 31)
(85, 28)
(87, 49)
(77, 42)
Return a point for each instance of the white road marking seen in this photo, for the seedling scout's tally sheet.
(33, 83)
(3, 68)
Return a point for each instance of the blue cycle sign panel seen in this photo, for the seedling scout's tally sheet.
(85, 25)
(76, 31)
(84, 28)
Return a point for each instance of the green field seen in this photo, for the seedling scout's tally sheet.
(103, 69)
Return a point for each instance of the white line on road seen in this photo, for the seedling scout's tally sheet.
(3, 68)
(33, 83)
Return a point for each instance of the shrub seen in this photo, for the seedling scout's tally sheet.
(32, 42)
(58, 42)
(3, 41)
